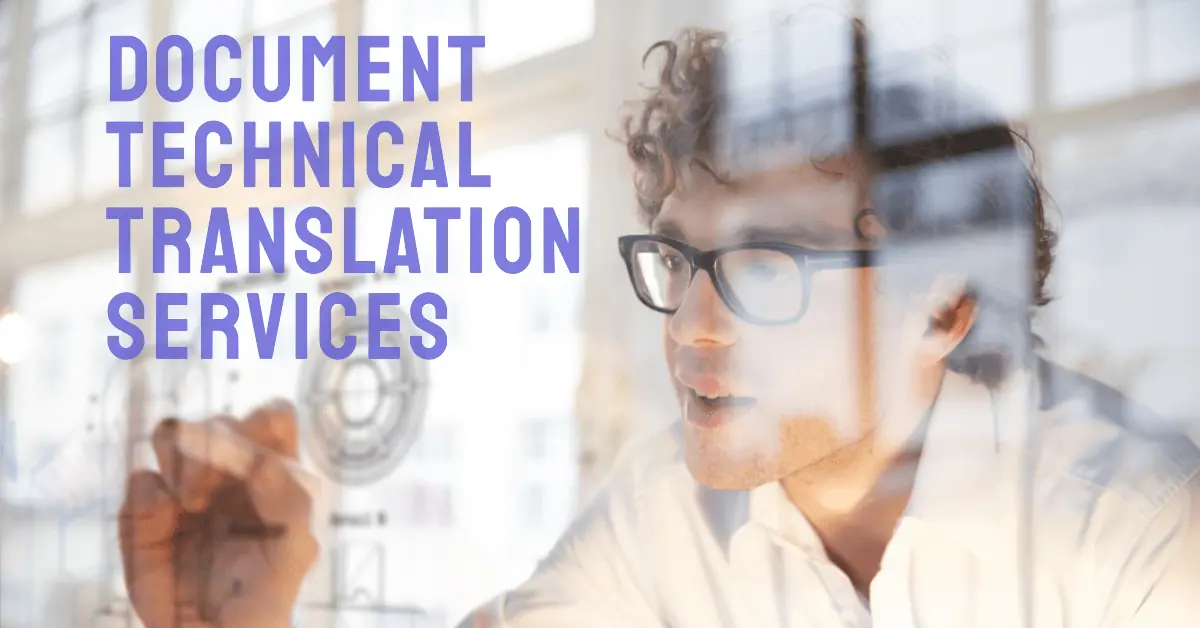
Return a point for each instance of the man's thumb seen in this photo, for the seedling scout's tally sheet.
(281, 491)
(147, 522)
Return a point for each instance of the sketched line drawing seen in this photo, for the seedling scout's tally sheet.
(357, 437)
(359, 574)
(359, 592)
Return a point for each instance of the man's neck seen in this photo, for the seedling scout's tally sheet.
(854, 498)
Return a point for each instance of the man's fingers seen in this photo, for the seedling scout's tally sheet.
(272, 425)
(191, 482)
(280, 490)
(146, 523)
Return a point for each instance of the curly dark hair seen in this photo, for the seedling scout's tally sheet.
(675, 127)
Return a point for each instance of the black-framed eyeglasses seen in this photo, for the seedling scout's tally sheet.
(764, 283)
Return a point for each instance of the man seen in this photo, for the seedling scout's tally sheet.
(866, 439)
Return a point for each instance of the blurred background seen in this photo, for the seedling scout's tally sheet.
(546, 376)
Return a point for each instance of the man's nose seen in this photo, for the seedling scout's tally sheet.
(702, 318)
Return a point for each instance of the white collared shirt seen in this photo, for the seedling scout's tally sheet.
(1115, 534)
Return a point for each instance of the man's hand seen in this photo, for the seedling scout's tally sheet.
(220, 537)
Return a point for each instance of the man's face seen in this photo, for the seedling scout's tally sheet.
(792, 395)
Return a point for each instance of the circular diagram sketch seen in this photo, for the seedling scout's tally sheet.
(359, 416)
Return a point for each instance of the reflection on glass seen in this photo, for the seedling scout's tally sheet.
(510, 40)
(124, 17)
(1093, 58)
(50, 171)
(55, 66)
(1174, 50)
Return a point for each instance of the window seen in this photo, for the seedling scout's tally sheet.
(119, 17)
(1093, 57)
(906, 25)
(68, 100)
(510, 39)
(483, 391)
(201, 20)
(986, 48)
(972, 19)
(505, 24)
(420, 20)
(293, 108)
(50, 166)
(375, 210)
(199, 108)
(265, 14)
(1115, 48)
(1131, 202)
(1128, 165)
(50, 389)
(1174, 54)
(1000, 71)
(51, 12)
(101, 150)
(250, 380)
(56, 67)
(1076, 8)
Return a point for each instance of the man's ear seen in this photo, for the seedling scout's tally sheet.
(950, 322)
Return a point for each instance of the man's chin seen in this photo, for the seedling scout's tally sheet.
(720, 470)
(736, 457)
(724, 479)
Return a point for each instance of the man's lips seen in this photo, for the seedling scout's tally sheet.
(711, 393)
(712, 404)
(704, 385)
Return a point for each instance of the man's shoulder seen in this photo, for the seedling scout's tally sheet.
(1098, 444)
(1114, 493)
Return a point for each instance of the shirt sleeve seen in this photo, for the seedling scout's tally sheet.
(1167, 559)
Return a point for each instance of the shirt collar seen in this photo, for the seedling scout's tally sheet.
(971, 433)
(973, 448)
(730, 512)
